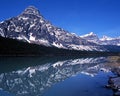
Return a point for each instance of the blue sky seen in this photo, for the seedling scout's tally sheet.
(79, 16)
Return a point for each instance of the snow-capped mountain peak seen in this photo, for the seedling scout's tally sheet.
(106, 38)
(31, 10)
(91, 37)
(89, 34)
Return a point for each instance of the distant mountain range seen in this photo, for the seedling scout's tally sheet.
(31, 27)
(105, 40)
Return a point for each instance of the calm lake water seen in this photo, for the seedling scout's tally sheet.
(55, 76)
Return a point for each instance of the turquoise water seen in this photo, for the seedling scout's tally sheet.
(55, 76)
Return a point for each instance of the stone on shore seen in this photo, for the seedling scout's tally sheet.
(115, 82)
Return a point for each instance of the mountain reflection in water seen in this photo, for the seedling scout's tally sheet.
(35, 78)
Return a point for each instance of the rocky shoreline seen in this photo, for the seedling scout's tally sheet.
(114, 82)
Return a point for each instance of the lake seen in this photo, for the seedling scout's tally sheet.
(56, 76)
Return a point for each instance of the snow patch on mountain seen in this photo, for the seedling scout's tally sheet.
(1, 32)
(58, 45)
(32, 38)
